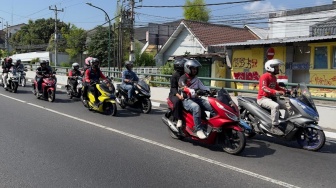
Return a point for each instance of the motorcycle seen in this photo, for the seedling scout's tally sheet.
(75, 92)
(12, 80)
(48, 88)
(22, 77)
(141, 97)
(222, 130)
(106, 98)
(301, 125)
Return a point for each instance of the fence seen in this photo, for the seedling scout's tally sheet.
(155, 78)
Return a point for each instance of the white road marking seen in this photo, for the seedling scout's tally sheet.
(233, 168)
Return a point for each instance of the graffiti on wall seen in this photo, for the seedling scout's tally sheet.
(246, 63)
(322, 80)
(246, 75)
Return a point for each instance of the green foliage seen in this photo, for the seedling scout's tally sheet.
(144, 59)
(36, 34)
(196, 13)
(168, 68)
(75, 39)
(33, 61)
(65, 64)
(98, 45)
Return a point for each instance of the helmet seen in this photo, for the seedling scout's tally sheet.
(75, 66)
(43, 62)
(179, 65)
(270, 64)
(128, 65)
(9, 60)
(87, 63)
(94, 62)
(189, 64)
(18, 61)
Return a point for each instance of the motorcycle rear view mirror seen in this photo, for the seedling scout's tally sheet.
(54, 72)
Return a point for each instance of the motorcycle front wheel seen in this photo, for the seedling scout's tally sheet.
(14, 87)
(232, 141)
(311, 139)
(110, 109)
(146, 105)
(51, 95)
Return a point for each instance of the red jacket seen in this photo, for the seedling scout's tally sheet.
(268, 86)
(88, 72)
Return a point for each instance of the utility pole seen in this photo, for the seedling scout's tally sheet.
(55, 10)
(7, 38)
(132, 55)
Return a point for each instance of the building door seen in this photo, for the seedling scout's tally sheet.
(205, 70)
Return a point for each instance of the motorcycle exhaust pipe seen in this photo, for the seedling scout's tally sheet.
(169, 124)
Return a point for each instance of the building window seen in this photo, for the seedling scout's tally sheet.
(321, 58)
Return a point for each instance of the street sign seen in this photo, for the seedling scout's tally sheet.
(270, 53)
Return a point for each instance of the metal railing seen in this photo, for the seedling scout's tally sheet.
(163, 80)
(153, 79)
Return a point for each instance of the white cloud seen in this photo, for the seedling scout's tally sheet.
(259, 6)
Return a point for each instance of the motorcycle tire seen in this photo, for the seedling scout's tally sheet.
(232, 141)
(146, 105)
(14, 87)
(311, 139)
(110, 109)
(51, 95)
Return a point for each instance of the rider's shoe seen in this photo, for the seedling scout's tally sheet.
(201, 134)
(96, 104)
(179, 123)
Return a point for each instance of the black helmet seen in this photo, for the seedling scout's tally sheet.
(18, 61)
(128, 65)
(94, 62)
(179, 65)
(43, 62)
(191, 63)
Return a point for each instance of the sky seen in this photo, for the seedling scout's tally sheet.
(84, 16)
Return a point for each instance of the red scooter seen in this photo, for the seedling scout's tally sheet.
(48, 88)
(223, 129)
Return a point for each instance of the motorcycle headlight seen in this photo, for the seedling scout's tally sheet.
(228, 113)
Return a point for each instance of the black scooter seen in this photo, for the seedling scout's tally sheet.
(302, 125)
(141, 97)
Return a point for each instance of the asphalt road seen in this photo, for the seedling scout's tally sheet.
(62, 144)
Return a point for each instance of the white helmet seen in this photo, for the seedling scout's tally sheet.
(270, 64)
(75, 65)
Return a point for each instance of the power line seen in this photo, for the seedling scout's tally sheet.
(212, 4)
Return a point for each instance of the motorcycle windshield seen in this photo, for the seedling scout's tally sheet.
(224, 97)
(105, 88)
(305, 96)
(143, 85)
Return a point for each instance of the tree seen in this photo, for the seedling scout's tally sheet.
(143, 59)
(98, 44)
(75, 41)
(196, 10)
(36, 34)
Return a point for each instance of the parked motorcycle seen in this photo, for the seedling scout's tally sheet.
(75, 92)
(48, 88)
(141, 97)
(12, 80)
(301, 125)
(106, 98)
(223, 129)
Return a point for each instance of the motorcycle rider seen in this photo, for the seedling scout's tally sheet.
(85, 85)
(73, 75)
(18, 66)
(268, 90)
(92, 76)
(189, 82)
(41, 72)
(174, 96)
(128, 76)
(7, 65)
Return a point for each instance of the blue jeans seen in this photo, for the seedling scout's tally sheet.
(129, 88)
(195, 106)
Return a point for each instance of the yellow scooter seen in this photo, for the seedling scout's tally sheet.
(106, 98)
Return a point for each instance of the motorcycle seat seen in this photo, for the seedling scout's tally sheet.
(251, 99)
